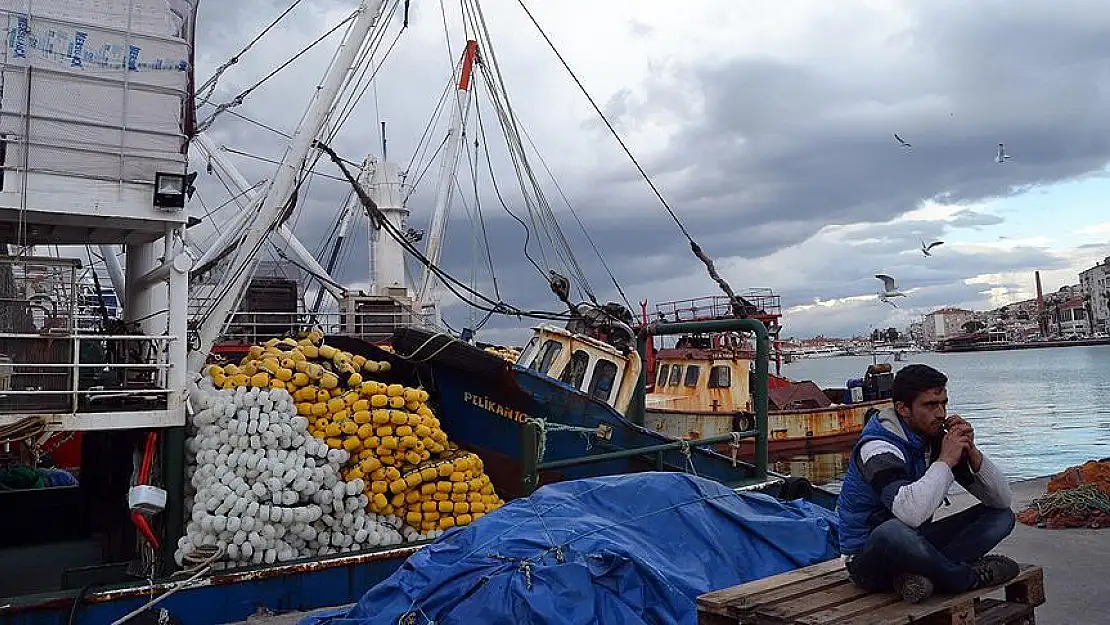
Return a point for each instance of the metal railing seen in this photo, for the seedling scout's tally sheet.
(54, 373)
(250, 328)
(51, 359)
(531, 466)
(717, 306)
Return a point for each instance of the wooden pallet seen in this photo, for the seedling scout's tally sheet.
(822, 594)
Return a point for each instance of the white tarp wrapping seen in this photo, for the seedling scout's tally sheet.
(104, 101)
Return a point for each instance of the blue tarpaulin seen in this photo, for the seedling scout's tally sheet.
(626, 549)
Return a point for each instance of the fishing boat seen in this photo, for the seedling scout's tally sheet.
(702, 385)
(112, 171)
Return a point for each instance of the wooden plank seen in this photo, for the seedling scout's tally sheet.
(838, 614)
(959, 614)
(709, 618)
(718, 601)
(824, 582)
(995, 612)
(1027, 587)
(813, 603)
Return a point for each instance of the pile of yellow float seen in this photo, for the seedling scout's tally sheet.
(410, 468)
(508, 353)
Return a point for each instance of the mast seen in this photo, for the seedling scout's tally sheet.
(284, 182)
(387, 262)
(425, 295)
(240, 185)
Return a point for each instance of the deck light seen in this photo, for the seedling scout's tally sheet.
(169, 191)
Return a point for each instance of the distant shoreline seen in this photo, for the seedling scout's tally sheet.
(1001, 347)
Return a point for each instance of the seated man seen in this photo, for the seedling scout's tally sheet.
(898, 476)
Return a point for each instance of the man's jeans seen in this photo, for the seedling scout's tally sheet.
(940, 550)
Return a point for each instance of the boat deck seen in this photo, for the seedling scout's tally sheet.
(1074, 563)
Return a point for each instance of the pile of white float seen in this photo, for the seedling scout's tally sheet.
(261, 490)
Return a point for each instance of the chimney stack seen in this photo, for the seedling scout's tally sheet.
(1042, 322)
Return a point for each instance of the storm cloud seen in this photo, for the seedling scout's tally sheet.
(776, 151)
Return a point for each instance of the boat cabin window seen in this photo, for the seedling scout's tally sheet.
(720, 376)
(601, 384)
(692, 373)
(663, 371)
(547, 355)
(575, 371)
(528, 352)
(676, 376)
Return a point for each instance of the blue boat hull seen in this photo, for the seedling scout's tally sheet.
(228, 598)
(482, 402)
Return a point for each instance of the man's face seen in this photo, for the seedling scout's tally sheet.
(927, 413)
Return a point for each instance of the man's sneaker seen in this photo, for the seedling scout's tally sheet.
(913, 588)
(993, 570)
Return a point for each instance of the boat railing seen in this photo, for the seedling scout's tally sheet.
(373, 326)
(532, 465)
(56, 365)
(717, 306)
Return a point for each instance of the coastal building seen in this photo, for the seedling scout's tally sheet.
(1095, 284)
(1071, 317)
(945, 323)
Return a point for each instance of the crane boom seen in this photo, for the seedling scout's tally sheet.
(425, 295)
(283, 184)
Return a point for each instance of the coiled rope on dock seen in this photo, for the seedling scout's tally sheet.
(1078, 501)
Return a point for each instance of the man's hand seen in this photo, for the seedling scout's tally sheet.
(952, 448)
(974, 456)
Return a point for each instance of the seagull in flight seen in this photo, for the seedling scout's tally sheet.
(902, 142)
(925, 248)
(1002, 156)
(890, 289)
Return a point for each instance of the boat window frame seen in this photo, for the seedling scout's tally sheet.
(664, 371)
(581, 374)
(676, 376)
(614, 380)
(541, 355)
(529, 352)
(712, 382)
(696, 369)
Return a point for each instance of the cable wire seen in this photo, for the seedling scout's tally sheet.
(737, 302)
(210, 84)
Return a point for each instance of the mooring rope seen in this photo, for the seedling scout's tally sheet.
(544, 427)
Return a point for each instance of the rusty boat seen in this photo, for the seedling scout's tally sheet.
(700, 386)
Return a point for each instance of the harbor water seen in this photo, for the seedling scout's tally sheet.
(1034, 411)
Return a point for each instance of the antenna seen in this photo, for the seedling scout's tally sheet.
(383, 142)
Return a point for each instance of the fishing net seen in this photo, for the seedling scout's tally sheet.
(1077, 497)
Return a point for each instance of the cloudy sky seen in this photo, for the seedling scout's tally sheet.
(766, 125)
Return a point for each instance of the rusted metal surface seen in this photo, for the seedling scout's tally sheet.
(259, 573)
(702, 397)
(786, 429)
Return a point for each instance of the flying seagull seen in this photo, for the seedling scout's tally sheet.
(890, 289)
(1002, 156)
(925, 248)
(902, 142)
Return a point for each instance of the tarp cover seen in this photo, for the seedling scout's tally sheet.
(626, 549)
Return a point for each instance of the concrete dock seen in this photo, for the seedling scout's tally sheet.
(1076, 564)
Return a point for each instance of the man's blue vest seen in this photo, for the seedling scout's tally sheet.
(859, 506)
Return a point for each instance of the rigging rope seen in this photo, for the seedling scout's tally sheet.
(574, 214)
(449, 281)
(210, 84)
(238, 100)
(694, 247)
(530, 186)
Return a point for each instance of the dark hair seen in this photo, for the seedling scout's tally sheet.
(912, 380)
